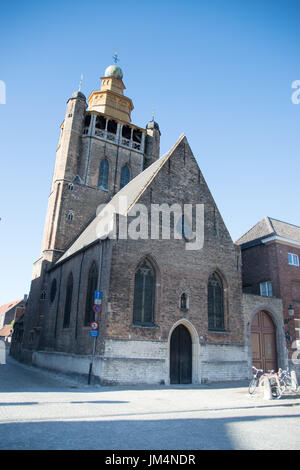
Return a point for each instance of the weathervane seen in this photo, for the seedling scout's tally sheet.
(116, 58)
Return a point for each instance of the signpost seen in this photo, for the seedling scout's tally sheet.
(94, 331)
(98, 297)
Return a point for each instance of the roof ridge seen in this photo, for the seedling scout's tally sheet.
(282, 221)
(270, 224)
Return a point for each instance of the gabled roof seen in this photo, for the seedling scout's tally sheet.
(6, 307)
(5, 331)
(121, 203)
(271, 227)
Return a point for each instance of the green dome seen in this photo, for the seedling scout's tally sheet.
(114, 71)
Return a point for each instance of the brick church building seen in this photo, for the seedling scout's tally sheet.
(169, 313)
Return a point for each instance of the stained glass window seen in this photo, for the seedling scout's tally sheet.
(215, 303)
(144, 294)
(103, 174)
(68, 301)
(90, 293)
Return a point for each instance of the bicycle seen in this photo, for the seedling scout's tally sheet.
(286, 381)
(257, 373)
(258, 380)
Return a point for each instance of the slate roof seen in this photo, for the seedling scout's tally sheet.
(121, 204)
(270, 227)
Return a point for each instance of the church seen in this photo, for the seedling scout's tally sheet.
(143, 233)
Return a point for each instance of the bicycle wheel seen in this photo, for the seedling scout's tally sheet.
(252, 386)
(275, 389)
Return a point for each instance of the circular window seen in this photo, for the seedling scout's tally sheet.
(53, 290)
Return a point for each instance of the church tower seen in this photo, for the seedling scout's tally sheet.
(99, 151)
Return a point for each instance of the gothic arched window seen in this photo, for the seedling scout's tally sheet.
(215, 302)
(53, 290)
(90, 293)
(103, 174)
(125, 176)
(68, 302)
(144, 294)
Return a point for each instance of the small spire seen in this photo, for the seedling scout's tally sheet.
(153, 112)
(80, 83)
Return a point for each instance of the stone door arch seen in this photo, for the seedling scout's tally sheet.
(263, 338)
(180, 356)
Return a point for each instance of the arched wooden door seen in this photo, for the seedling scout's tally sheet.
(181, 356)
(263, 335)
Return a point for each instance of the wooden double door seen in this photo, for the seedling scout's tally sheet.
(181, 356)
(263, 335)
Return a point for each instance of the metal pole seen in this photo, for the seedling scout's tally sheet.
(96, 315)
(91, 364)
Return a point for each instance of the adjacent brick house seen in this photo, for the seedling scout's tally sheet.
(9, 313)
(270, 256)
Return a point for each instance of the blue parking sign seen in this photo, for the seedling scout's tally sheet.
(98, 294)
(94, 333)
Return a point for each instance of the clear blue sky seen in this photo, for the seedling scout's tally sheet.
(219, 71)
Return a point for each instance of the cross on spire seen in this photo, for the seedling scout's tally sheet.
(116, 58)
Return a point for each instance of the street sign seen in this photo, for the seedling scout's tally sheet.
(94, 333)
(98, 301)
(98, 294)
(95, 325)
(97, 308)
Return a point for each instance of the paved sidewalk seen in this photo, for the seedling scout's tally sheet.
(46, 410)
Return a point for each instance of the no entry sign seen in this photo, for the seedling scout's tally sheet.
(94, 325)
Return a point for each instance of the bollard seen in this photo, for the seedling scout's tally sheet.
(267, 389)
(294, 381)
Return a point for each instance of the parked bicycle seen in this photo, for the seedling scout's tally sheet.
(257, 373)
(280, 381)
(286, 381)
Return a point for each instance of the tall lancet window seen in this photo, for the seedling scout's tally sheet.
(125, 176)
(68, 301)
(215, 302)
(103, 174)
(144, 295)
(90, 293)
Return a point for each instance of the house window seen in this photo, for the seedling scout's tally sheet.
(293, 259)
(68, 301)
(215, 302)
(125, 176)
(266, 289)
(91, 287)
(144, 295)
(103, 174)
